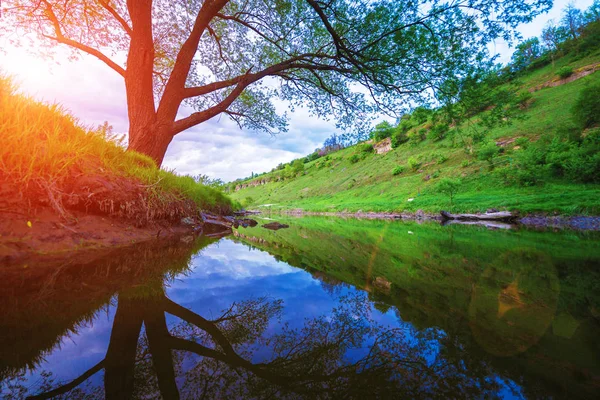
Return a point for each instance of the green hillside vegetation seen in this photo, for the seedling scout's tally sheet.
(48, 158)
(524, 139)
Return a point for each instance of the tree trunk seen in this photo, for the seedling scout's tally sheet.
(147, 134)
(152, 140)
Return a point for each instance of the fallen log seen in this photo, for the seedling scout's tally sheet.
(487, 224)
(506, 216)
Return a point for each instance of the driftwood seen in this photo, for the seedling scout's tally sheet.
(506, 216)
(487, 224)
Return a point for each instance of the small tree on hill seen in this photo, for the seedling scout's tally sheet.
(382, 131)
(449, 187)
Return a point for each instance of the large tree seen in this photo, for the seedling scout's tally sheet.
(342, 58)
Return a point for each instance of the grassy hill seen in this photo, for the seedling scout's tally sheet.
(540, 162)
(48, 159)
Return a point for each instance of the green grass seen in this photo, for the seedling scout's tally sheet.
(337, 184)
(45, 149)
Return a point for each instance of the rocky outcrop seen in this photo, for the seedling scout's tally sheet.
(255, 183)
(384, 146)
(578, 74)
(274, 226)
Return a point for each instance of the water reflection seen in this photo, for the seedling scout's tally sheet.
(367, 315)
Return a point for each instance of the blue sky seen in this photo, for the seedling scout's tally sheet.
(218, 148)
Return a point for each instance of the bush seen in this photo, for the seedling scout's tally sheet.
(438, 132)
(441, 158)
(364, 148)
(586, 110)
(399, 137)
(568, 131)
(415, 137)
(421, 114)
(465, 164)
(414, 163)
(488, 152)
(382, 131)
(523, 99)
(398, 170)
(565, 72)
(449, 187)
(354, 158)
(522, 142)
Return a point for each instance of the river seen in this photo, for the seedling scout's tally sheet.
(327, 308)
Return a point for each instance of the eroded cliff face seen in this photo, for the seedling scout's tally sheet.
(255, 183)
(383, 147)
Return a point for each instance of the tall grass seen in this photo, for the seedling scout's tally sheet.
(44, 148)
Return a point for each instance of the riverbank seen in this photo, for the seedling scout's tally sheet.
(580, 223)
(65, 187)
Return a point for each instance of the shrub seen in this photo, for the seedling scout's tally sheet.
(488, 152)
(297, 166)
(354, 158)
(449, 187)
(415, 137)
(398, 170)
(382, 131)
(441, 158)
(568, 131)
(522, 142)
(414, 163)
(523, 99)
(364, 148)
(399, 137)
(438, 132)
(586, 110)
(465, 164)
(565, 72)
(421, 114)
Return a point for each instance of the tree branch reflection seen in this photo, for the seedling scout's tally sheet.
(345, 353)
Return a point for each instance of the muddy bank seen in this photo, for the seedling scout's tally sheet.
(582, 223)
(47, 236)
(85, 213)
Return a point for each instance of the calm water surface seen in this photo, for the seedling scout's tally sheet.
(328, 308)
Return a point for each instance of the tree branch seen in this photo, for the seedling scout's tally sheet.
(60, 38)
(69, 386)
(113, 12)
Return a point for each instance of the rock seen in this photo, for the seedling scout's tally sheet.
(247, 222)
(187, 221)
(212, 219)
(384, 146)
(492, 210)
(427, 178)
(382, 283)
(275, 226)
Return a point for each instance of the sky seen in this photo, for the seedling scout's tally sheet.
(94, 93)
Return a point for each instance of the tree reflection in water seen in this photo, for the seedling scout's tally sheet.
(244, 353)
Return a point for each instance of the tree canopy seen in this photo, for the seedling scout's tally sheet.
(344, 59)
